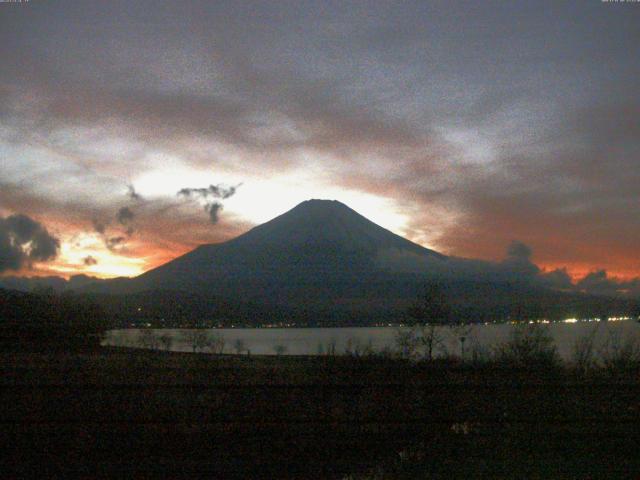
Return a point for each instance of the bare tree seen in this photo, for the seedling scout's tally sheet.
(584, 354)
(358, 348)
(331, 347)
(239, 346)
(197, 339)
(216, 343)
(348, 348)
(166, 340)
(431, 339)
(430, 311)
(618, 354)
(280, 349)
(406, 341)
(433, 306)
(461, 333)
(365, 348)
(528, 344)
(148, 339)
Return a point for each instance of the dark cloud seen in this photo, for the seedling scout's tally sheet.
(210, 196)
(110, 239)
(213, 209)
(212, 191)
(520, 267)
(599, 283)
(99, 226)
(102, 229)
(24, 241)
(518, 251)
(517, 267)
(557, 279)
(518, 261)
(89, 261)
(132, 194)
(114, 238)
(113, 242)
(124, 217)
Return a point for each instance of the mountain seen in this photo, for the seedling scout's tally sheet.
(323, 263)
(56, 284)
(320, 254)
(316, 239)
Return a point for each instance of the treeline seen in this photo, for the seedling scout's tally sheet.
(181, 309)
(477, 302)
(465, 302)
(45, 320)
(63, 318)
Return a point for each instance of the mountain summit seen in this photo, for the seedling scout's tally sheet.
(325, 223)
(317, 238)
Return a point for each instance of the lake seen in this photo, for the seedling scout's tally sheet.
(313, 341)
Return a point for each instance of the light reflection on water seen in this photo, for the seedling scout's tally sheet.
(312, 341)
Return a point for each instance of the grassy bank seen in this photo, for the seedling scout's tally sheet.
(121, 412)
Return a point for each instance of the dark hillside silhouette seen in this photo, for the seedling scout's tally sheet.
(50, 321)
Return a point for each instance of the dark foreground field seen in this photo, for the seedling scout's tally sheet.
(125, 413)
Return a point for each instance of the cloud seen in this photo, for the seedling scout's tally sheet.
(520, 267)
(102, 229)
(212, 191)
(132, 194)
(113, 242)
(516, 267)
(124, 217)
(89, 261)
(599, 283)
(99, 226)
(110, 239)
(24, 241)
(210, 196)
(213, 209)
(518, 261)
(557, 279)
(518, 251)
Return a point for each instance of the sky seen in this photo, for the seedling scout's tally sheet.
(133, 131)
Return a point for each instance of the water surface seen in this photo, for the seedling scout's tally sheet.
(313, 341)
